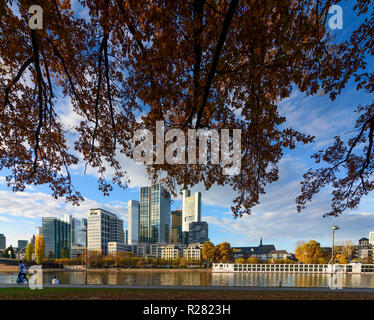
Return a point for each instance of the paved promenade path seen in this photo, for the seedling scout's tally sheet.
(274, 289)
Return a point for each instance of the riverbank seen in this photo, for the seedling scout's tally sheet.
(137, 270)
(8, 268)
(107, 293)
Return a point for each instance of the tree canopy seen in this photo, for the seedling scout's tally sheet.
(192, 64)
(28, 252)
(311, 253)
(39, 249)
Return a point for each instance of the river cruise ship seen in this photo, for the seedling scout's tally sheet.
(352, 268)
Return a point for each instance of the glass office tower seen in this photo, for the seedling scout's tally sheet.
(2, 242)
(176, 226)
(56, 235)
(77, 235)
(154, 217)
(133, 221)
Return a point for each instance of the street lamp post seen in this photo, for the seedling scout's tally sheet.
(86, 256)
(332, 251)
(85, 230)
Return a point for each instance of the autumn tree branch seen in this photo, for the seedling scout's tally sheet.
(220, 44)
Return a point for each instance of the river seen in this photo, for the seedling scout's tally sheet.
(196, 278)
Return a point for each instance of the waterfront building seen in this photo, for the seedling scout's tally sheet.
(191, 211)
(2, 241)
(155, 249)
(22, 244)
(276, 255)
(365, 254)
(198, 232)
(114, 247)
(172, 251)
(363, 243)
(176, 227)
(76, 251)
(140, 249)
(154, 214)
(56, 235)
(364, 249)
(133, 221)
(193, 251)
(103, 227)
(257, 251)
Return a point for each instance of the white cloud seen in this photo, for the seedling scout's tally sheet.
(277, 221)
(5, 219)
(318, 116)
(38, 205)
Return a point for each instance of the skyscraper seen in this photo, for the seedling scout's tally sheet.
(198, 232)
(103, 227)
(78, 237)
(56, 235)
(154, 216)
(176, 226)
(2, 242)
(133, 221)
(191, 208)
(22, 244)
(126, 237)
(32, 240)
(371, 238)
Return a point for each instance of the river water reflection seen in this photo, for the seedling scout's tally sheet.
(196, 278)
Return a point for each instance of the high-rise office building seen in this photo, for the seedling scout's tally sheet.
(78, 235)
(191, 208)
(176, 227)
(103, 227)
(32, 240)
(126, 237)
(2, 241)
(198, 232)
(371, 238)
(82, 236)
(56, 235)
(79, 228)
(22, 244)
(154, 214)
(133, 221)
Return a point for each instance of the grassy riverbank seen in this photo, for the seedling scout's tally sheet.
(172, 294)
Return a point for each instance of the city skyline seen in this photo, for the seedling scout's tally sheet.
(275, 218)
(214, 237)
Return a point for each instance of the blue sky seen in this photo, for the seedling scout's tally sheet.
(275, 219)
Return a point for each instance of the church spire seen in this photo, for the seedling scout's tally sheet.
(261, 242)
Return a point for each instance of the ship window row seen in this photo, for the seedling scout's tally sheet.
(283, 267)
(367, 268)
